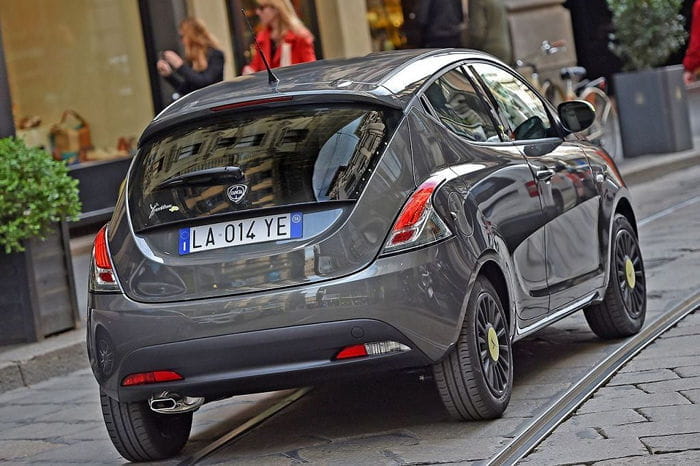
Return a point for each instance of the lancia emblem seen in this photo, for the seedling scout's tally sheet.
(236, 192)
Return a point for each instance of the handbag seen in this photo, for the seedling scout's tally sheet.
(70, 140)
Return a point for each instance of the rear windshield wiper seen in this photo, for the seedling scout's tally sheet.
(203, 176)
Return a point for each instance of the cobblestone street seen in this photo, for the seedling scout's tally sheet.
(646, 414)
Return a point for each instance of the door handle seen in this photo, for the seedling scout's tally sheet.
(544, 173)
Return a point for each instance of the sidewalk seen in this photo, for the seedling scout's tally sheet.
(24, 365)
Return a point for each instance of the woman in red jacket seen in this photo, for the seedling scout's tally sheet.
(691, 62)
(283, 38)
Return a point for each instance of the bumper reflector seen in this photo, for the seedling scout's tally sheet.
(143, 378)
(372, 349)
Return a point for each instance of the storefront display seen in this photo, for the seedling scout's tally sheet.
(78, 81)
(82, 79)
(386, 21)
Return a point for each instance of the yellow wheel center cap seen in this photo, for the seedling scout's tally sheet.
(629, 272)
(493, 343)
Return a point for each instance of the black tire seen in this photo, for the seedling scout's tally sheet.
(472, 383)
(140, 434)
(623, 309)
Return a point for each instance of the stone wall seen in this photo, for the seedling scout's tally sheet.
(533, 21)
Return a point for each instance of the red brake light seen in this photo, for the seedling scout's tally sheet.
(418, 223)
(414, 208)
(102, 259)
(249, 103)
(103, 277)
(354, 351)
(143, 378)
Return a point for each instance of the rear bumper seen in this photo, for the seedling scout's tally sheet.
(257, 361)
(288, 337)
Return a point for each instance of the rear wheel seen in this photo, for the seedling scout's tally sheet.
(476, 379)
(140, 434)
(623, 309)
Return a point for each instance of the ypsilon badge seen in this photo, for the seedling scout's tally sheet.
(236, 192)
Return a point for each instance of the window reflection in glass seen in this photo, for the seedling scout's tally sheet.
(285, 157)
(460, 108)
(524, 112)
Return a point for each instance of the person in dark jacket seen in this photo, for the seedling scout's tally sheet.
(441, 22)
(203, 64)
(488, 29)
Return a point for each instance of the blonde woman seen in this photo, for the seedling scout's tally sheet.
(283, 38)
(203, 63)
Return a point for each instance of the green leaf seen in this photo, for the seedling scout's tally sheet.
(36, 191)
(647, 32)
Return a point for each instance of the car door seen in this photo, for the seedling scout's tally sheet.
(563, 179)
(503, 192)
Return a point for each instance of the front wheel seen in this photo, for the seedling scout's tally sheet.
(140, 434)
(475, 380)
(624, 306)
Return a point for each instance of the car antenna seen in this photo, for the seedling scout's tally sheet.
(272, 79)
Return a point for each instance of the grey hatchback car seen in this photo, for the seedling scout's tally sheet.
(399, 211)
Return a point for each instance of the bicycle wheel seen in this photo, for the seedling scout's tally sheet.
(605, 130)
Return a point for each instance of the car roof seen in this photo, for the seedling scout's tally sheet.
(389, 78)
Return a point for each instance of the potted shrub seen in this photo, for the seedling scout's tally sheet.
(651, 101)
(37, 295)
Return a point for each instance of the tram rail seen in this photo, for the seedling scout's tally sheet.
(543, 424)
(553, 414)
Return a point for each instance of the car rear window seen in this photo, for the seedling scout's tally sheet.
(257, 160)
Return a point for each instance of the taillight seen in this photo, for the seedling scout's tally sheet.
(102, 276)
(143, 378)
(418, 224)
(371, 349)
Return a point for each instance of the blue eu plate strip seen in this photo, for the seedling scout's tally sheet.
(297, 225)
(184, 242)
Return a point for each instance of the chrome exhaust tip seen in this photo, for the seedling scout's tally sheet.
(172, 403)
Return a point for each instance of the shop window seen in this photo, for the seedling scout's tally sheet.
(78, 75)
(386, 24)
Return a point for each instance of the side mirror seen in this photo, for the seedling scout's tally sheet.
(576, 115)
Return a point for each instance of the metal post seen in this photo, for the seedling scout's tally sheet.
(7, 124)
(159, 22)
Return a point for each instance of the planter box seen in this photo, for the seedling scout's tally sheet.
(653, 110)
(37, 291)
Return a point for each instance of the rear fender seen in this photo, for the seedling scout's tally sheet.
(488, 259)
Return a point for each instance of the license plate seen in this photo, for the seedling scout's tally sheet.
(240, 232)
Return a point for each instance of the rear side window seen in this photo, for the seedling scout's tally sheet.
(460, 108)
(258, 160)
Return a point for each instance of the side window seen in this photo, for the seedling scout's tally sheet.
(521, 108)
(460, 108)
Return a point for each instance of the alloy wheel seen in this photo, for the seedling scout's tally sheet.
(630, 272)
(492, 342)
